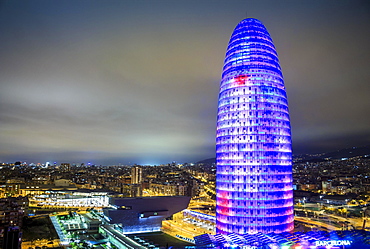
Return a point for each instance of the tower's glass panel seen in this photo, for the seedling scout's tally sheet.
(253, 144)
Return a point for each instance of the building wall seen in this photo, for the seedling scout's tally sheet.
(254, 191)
(136, 175)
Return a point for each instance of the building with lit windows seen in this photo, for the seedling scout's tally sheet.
(353, 239)
(254, 191)
(136, 180)
(136, 175)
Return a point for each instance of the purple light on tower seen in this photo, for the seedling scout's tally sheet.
(254, 190)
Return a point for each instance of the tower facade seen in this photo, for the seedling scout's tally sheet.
(136, 174)
(254, 191)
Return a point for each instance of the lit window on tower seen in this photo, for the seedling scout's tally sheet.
(254, 191)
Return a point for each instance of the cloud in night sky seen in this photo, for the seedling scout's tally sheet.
(137, 81)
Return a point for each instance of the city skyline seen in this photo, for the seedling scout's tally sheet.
(137, 82)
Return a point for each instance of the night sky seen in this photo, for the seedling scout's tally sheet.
(111, 82)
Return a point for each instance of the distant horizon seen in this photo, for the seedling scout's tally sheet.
(150, 163)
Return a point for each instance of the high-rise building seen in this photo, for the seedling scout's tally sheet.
(254, 191)
(136, 175)
(136, 180)
(12, 238)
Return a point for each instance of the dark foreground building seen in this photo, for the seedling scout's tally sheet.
(12, 238)
(143, 214)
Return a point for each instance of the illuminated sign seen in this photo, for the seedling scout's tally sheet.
(333, 243)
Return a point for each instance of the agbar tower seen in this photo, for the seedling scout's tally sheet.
(253, 144)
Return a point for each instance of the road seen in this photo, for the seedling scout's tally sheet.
(316, 223)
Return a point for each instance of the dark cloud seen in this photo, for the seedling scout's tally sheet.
(332, 143)
(133, 81)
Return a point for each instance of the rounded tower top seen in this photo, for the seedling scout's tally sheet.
(250, 24)
(250, 50)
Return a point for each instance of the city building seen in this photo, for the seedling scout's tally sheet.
(12, 211)
(136, 175)
(144, 214)
(136, 180)
(12, 238)
(65, 167)
(254, 191)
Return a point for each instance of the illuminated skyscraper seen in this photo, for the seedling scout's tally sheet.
(136, 174)
(253, 146)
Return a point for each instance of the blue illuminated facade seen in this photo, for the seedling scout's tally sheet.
(254, 191)
(353, 239)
